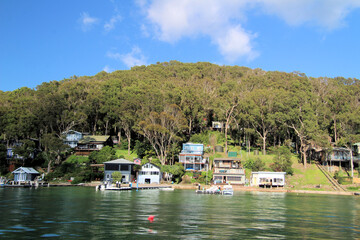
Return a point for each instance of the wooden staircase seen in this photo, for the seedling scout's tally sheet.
(335, 183)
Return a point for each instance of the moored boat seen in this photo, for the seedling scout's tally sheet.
(227, 190)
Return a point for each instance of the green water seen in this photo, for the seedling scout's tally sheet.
(83, 213)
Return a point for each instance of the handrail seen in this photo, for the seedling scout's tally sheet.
(336, 185)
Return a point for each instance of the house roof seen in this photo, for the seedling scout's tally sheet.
(71, 131)
(152, 164)
(94, 138)
(121, 161)
(227, 159)
(268, 173)
(26, 170)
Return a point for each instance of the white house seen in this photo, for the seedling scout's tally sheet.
(149, 173)
(272, 179)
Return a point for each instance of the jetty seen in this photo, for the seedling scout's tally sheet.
(211, 190)
(128, 187)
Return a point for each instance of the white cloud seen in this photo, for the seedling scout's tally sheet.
(86, 22)
(234, 43)
(110, 25)
(134, 58)
(174, 20)
(108, 69)
(328, 14)
(223, 20)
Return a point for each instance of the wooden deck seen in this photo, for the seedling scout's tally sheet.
(136, 188)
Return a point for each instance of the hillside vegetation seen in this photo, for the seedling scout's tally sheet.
(153, 109)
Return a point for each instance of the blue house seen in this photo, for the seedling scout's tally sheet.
(119, 165)
(25, 174)
(192, 157)
(72, 138)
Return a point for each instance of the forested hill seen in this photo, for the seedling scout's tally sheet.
(179, 99)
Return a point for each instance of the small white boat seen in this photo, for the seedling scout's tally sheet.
(227, 190)
(167, 189)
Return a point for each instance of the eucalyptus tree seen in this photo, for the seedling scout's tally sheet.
(19, 119)
(261, 110)
(350, 119)
(229, 98)
(53, 148)
(163, 129)
(299, 115)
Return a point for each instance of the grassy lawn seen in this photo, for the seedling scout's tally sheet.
(308, 179)
(77, 159)
(124, 153)
(303, 179)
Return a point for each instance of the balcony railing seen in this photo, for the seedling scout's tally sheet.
(230, 171)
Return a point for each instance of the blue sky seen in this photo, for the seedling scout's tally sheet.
(45, 40)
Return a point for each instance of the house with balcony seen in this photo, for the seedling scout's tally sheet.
(228, 170)
(119, 165)
(192, 157)
(91, 143)
(72, 138)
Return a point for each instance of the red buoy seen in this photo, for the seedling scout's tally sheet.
(151, 218)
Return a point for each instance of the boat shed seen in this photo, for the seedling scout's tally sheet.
(271, 179)
(25, 174)
(149, 173)
(119, 165)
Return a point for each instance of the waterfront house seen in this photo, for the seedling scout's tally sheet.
(228, 170)
(192, 157)
(264, 179)
(91, 143)
(119, 165)
(25, 174)
(149, 173)
(72, 138)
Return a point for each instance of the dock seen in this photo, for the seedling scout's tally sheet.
(142, 187)
(212, 190)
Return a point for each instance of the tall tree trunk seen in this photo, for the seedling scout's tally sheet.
(335, 130)
(264, 145)
(106, 126)
(119, 136)
(352, 165)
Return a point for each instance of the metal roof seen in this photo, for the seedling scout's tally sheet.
(121, 161)
(26, 170)
(94, 138)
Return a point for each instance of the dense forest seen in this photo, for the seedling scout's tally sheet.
(164, 104)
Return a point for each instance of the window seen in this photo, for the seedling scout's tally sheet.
(233, 178)
(112, 167)
(124, 167)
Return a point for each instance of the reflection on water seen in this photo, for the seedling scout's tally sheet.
(82, 213)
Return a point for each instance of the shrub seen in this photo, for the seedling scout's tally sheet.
(116, 176)
(255, 165)
(107, 153)
(282, 160)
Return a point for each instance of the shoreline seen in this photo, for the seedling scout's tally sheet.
(195, 187)
(257, 189)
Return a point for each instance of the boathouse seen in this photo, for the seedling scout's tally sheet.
(271, 179)
(25, 174)
(149, 173)
(119, 165)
